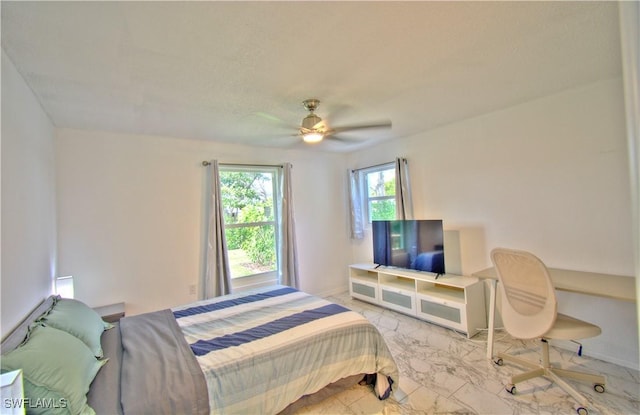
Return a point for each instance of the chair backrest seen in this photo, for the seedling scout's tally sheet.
(529, 307)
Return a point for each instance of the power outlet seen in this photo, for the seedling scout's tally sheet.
(192, 289)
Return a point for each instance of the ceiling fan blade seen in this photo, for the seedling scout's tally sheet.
(303, 130)
(381, 124)
(268, 117)
(342, 138)
(271, 120)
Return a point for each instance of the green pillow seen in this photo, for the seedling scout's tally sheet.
(57, 370)
(78, 319)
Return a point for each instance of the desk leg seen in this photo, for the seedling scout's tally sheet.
(492, 314)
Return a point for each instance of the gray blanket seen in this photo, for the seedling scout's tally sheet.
(104, 395)
(160, 374)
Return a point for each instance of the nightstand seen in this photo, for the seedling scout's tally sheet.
(12, 393)
(111, 313)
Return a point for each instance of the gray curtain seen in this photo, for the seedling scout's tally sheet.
(404, 203)
(355, 205)
(288, 274)
(217, 276)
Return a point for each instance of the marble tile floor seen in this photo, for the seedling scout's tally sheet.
(443, 372)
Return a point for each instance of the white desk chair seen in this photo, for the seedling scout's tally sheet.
(529, 310)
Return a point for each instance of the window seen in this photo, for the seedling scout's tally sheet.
(250, 219)
(380, 191)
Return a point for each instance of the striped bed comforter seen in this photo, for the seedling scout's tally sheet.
(262, 350)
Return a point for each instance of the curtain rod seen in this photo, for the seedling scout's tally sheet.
(379, 165)
(206, 163)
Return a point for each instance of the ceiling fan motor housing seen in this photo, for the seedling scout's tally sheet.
(310, 121)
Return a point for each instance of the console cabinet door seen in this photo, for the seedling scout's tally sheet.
(364, 290)
(398, 299)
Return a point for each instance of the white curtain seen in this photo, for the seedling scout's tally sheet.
(355, 205)
(404, 204)
(629, 13)
(217, 276)
(288, 267)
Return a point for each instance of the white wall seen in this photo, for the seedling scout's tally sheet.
(549, 176)
(130, 215)
(28, 200)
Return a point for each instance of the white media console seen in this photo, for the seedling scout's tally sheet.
(452, 301)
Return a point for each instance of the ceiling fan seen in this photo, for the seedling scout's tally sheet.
(314, 130)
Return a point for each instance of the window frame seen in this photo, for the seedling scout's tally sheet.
(266, 277)
(364, 191)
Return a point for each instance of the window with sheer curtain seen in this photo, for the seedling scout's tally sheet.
(381, 192)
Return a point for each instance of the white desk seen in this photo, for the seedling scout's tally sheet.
(617, 287)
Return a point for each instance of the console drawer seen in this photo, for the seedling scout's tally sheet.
(398, 299)
(440, 311)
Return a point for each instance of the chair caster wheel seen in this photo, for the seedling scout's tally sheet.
(511, 389)
(598, 387)
(582, 411)
(498, 361)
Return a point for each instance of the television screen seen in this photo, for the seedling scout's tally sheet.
(411, 244)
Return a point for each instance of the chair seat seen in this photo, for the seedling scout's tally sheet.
(569, 328)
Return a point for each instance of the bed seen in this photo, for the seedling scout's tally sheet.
(267, 351)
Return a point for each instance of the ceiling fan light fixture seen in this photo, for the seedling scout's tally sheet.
(312, 137)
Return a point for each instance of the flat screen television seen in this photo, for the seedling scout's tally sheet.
(412, 244)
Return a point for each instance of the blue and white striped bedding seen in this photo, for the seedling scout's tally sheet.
(264, 349)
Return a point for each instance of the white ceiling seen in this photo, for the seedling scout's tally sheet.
(238, 71)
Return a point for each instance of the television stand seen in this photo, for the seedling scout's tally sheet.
(452, 301)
